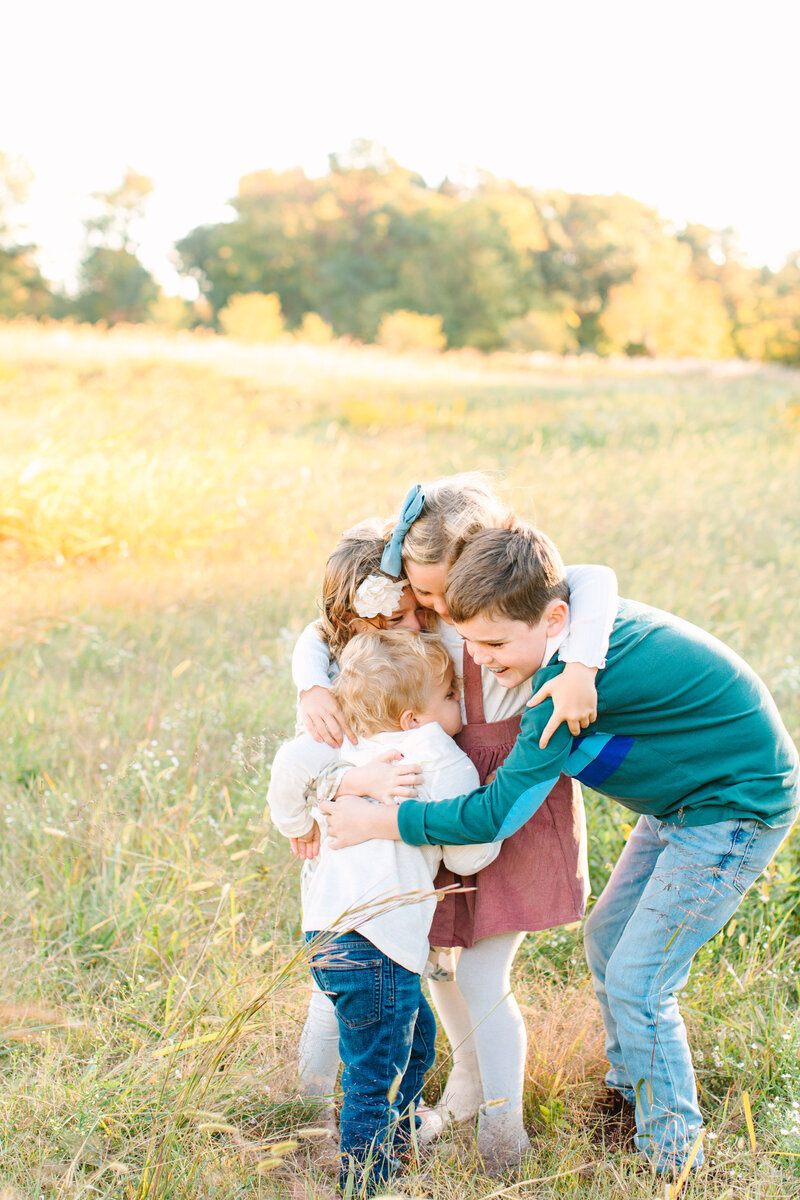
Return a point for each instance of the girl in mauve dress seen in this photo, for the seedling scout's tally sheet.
(540, 878)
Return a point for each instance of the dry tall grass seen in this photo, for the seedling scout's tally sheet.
(166, 506)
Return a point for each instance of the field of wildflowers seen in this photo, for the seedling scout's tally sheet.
(166, 508)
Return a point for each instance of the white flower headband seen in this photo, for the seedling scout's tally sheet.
(378, 594)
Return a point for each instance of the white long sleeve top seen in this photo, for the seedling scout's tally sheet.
(383, 889)
(592, 610)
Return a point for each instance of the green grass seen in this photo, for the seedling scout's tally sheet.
(170, 546)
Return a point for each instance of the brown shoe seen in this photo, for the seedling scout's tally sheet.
(613, 1121)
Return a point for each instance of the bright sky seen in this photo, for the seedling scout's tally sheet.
(690, 106)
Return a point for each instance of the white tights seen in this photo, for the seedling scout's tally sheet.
(486, 1032)
(318, 1052)
(485, 1028)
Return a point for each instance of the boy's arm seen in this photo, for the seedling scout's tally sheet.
(449, 776)
(486, 814)
(354, 819)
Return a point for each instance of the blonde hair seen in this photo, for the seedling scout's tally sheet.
(385, 673)
(455, 507)
(512, 573)
(357, 555)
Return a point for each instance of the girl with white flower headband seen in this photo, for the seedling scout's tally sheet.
(357, 596)
(540, 878)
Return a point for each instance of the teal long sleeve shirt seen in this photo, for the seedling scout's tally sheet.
(685, 732)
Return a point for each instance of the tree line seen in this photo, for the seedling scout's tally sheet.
(489, 263)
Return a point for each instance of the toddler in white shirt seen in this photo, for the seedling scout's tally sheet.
(367, 910)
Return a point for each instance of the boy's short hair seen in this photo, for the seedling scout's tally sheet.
(383, 673)
(513, 573)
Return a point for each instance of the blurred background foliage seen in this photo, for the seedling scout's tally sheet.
(497, 266)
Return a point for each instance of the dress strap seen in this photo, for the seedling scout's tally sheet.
(473, 693)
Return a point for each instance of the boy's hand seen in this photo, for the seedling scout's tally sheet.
(388, 778)
(353, 819)
(323, 718)
(307, 845)
(574, 699)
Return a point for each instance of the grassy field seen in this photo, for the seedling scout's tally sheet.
(166, 508)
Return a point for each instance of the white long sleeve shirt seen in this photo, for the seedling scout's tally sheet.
(383, 889)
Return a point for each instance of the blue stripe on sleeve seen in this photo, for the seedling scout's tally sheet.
(595, 757)
(524, 807)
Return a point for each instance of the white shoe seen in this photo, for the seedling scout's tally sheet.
(462, 1096)
(501, 1139)
(432, 1123)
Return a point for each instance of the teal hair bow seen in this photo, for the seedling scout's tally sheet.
(392, 560)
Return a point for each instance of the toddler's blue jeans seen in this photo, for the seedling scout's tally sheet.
(673, 888)
(387, 1036)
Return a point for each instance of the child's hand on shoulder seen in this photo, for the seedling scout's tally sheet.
(323, 718)
(574, 697)
(307, 845)
(388, 778)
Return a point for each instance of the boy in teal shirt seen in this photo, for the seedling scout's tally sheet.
(687, 736)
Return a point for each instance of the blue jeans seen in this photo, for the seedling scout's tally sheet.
(673, 888)
(387, 1034)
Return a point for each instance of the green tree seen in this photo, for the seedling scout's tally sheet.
(265, 249)
(324, 245)
(114, 285)
(594, 243)
(497, 262)
(460, 262)
(369, 238)
(23, 289)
